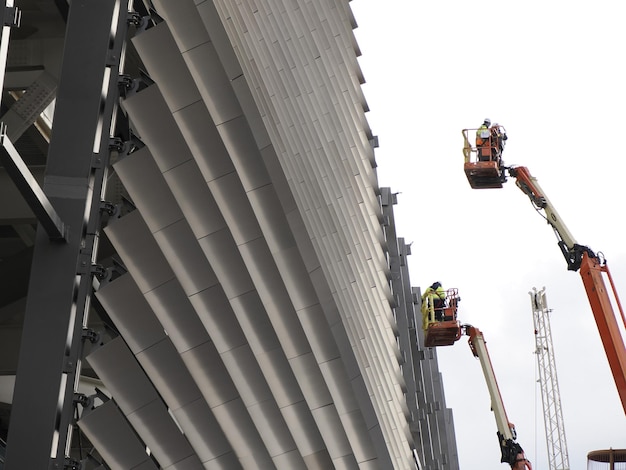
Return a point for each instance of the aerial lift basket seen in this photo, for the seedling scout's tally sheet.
(482, 164)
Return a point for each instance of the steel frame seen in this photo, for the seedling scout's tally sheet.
(61, 277)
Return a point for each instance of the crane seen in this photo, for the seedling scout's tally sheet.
(484, 168)
(442, 328)
(558, 458)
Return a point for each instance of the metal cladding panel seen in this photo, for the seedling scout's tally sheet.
(319, 461)
(171, 378)
(176, 314)
(208, 441)
(117, 367)
(243, 151)
(219, 37)
(278, 442)
(298, 416)
(210, 374)
(334, 373)
(194, 34)
(298, 281)
(269, 284)
(299, 63)
(241, 87)
(197, 126)
(161, 435)
(320, 336)
(154, 122)
(235, 207)
(168, 373)
(268, 210)
(139, 401)
(308, 373)
(139, 250)
(290, 460)
(245, 372)
(203, 61)
(156, 46)
(131, 314)
(215, 313)
(236, 421)
(195, 199)
(338, 445)
(109, 431)
(254, 322)
(280, 378)
(144, 182)
(362, 447)
(181, 249)
(189, 463)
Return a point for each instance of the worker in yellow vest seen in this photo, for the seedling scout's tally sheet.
(433, 303)
(483, 141)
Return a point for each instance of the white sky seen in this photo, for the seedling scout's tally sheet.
(552, 73)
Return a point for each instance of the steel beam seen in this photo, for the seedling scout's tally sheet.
(9, 18)
(60, 283)
(29, 188)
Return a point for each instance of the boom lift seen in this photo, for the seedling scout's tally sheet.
(492, 173)
(507, 436)
(442, 328)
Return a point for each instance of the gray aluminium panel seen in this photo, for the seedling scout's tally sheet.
(109, 431)
(138, 326)
(174, 383)
(156, 124)
(211, 306)
(140, 402)
(139, 170)
(196, 201)
(180, 247)
(135, 244)
(117, 367)
(169, 375)
(235, 207)
(163, 437)
(155, 45)
(173, 309)
(199, 359)
(208, 440)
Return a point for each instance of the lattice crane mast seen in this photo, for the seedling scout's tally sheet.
(550, 396)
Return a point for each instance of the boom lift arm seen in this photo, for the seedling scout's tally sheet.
(507, 436)
(592, 267)
(442, 328)
(492, 173)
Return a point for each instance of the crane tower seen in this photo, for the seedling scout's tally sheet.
(550, 396)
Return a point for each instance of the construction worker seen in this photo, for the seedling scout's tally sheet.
(433, 303)
(483, 141)
(521, 463)
(498, 139)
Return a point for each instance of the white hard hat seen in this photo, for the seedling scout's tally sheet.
(487, 121)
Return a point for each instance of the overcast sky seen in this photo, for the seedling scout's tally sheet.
(552, 73)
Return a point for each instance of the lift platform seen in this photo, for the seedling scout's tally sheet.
(443, 333)
(483, 164)
(443, 327)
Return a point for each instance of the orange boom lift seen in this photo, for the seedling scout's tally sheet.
(442, 328)
(492, 173)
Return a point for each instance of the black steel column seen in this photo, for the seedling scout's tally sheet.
(60, 283)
